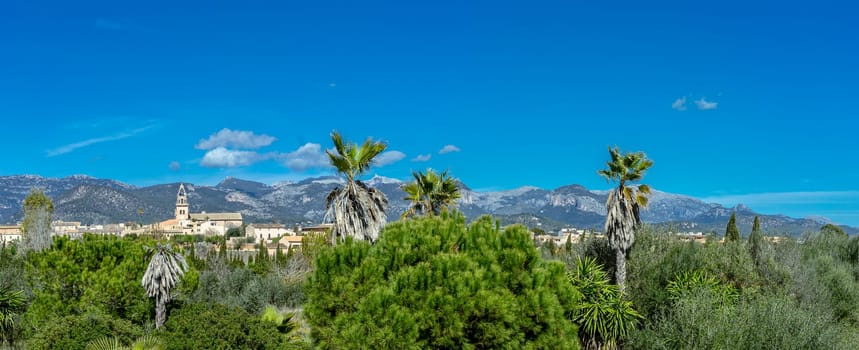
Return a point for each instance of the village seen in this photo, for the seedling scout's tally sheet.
(186, 223)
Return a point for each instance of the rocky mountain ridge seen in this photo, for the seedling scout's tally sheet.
(90, 200)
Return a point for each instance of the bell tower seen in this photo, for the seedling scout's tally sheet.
(182, 204)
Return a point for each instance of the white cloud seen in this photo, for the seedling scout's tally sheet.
(448, 149)
(174, 165)
(120, 25)
(108, 24)
(224, 158)
(787, 198)
(235, 139)
(422, 158)
(704, 105)
(679, 104)
(305, 157)
(74, 146)
(388, 158)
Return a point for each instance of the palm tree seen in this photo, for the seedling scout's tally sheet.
(430, 193)
(165, 270)
(623, 204)
(11, 306)
(356, 209)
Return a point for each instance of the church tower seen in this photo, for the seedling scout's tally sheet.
(182, 204)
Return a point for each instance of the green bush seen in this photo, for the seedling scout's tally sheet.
(700, 321)
(215, 327)
(76, 331)
(437, 283)
(96, 273)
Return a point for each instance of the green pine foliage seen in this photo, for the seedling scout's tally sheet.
(75, 332)
(438, 283)
(732, 233)
(96, 273)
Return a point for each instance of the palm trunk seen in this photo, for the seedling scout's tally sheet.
(620, 269)
(160, 311)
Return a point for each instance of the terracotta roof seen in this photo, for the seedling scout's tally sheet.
(216, 216)
(267, 226)
(171, 222)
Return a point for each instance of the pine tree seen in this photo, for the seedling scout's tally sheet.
(732, 233)
(755, 241)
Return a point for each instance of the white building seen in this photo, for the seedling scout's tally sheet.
(209, 224)
(9, 233)
(267, 231)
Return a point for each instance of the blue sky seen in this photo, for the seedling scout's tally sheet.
(751, 102)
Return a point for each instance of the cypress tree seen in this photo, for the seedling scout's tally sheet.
(756, 240)
(732, 233)
(279, 257)
(222, 250)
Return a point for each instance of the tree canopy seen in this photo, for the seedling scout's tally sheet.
(436, 282)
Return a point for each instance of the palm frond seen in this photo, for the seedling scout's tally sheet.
(357, 211)
(620, 220)
(164, 271)
(106, 343)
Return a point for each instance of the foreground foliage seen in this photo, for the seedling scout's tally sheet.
(603, 316)
(437, 283)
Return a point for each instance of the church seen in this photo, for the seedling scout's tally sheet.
(207, 224)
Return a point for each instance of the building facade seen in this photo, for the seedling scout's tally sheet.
(207, 224)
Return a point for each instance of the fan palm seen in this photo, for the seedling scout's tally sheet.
(162, 275)
(430, 193)
(356, 209)
(146, 342)
(623, 204)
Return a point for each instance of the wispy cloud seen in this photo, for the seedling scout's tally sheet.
(388, 158)
(118, 25)
(448, 149)
(705, 105)
(89, 142)
(679, 104)
(226, 158)
(422, 158)
(235, 139)
(788, 198)
(174, 166)
(308, 156)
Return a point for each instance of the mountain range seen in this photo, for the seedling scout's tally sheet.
(96, 201)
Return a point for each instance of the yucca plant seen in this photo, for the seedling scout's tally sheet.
(695, 281)
(12, 303)
(165, 270)
(603, 316)
(430, 193)
(285, 322)
(356, 209)
(624, 204)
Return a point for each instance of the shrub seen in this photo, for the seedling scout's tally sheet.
(76, 331)
(437, 283)
(214, 326)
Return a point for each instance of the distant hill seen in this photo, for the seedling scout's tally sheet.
(91, 200)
